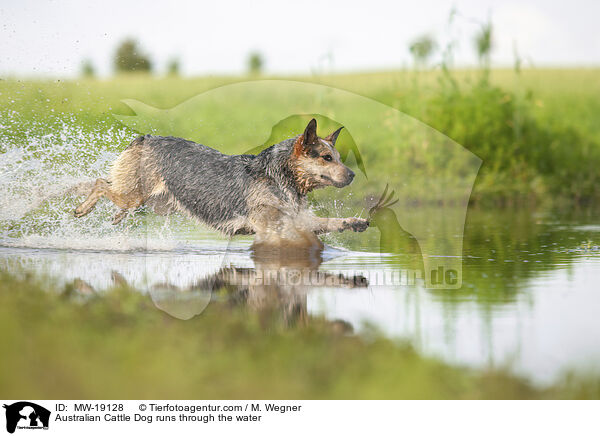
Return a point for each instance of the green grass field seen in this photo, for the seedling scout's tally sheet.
(536, 131)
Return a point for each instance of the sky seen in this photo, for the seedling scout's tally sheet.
(52, 37)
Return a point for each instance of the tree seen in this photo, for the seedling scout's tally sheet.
(422, 48)
(173, 67)
(255, 63)
(87, 68)
(129, 59)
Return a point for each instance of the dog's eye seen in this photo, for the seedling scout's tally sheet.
(327, 157)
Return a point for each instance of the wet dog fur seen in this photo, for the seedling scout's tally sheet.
(262, 194)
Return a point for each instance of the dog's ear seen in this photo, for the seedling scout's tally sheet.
(310, 133)
(333, 137)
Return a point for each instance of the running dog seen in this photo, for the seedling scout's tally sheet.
(263, 194)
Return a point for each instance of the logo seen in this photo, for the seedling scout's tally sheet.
(26, 415)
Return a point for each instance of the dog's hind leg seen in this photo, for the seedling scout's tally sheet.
(101, 189)
(98, 192)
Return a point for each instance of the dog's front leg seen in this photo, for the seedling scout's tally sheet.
(326, 225)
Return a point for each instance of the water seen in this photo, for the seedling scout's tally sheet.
(532, 308)
(528, 302)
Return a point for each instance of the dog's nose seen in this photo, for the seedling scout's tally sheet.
(350, 174)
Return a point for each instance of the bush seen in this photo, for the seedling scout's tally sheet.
(521, 157)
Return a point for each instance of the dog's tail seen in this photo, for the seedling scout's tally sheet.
(40, 195)
(44, 194)
(81, 188)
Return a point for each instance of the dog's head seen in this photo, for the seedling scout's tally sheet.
(317, 163)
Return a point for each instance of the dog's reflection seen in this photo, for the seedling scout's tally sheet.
(276, 285)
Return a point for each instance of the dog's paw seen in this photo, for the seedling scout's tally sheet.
(356, 224)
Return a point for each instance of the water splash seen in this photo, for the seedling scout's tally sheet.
(42, 164)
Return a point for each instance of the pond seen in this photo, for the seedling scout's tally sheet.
(528, 302)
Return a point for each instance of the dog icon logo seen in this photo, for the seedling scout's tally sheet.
(26, 415)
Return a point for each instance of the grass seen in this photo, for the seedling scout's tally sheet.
(118, 345)
(535, 131)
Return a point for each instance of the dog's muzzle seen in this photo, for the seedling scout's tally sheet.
(346, 181)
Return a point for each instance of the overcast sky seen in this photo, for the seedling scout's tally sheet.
(52, 37)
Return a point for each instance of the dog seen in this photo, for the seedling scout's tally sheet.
(262, 195)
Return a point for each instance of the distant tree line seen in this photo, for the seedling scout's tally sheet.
(130, 58)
